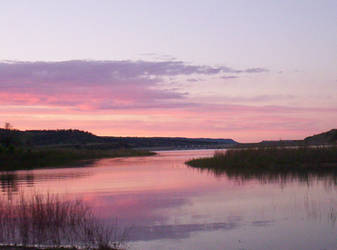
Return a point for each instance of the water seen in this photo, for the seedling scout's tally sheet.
(167, 205)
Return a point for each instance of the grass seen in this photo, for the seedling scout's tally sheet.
(38, 158)
(272, 164)
(46, 221)
(270, 158)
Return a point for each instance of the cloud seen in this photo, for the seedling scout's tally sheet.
(102, 72)
(149, 98)
(97, 84)
(247, 99)
(194, 80)
(228, 77)
(256, 70)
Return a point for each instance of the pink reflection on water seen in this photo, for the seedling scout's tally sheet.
(163, 200)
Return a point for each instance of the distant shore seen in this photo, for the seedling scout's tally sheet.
(196, 147)
(21, 158)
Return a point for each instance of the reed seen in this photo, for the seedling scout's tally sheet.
(49, 221)
(270, 158)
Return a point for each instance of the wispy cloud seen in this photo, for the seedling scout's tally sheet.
(255, 70)
(194, 79)
(147, 98)
(97, 84)
(102, 72)
(228, 77)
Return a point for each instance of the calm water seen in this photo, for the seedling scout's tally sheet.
(167, 205)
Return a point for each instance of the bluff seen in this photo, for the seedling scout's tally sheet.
(78, 138)
(329, 137)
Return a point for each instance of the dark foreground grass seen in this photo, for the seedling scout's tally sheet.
(271, 158)
(46, 221)
(38, 158)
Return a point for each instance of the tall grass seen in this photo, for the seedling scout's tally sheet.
(273, 165)
(271, 158)
(49, 221)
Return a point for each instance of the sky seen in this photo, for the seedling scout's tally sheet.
(246, 70)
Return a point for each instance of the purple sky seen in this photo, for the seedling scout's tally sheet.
(248, 70)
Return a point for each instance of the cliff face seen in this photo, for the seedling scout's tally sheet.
(323, 138)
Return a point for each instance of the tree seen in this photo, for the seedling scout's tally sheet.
(10, 137)
(8, 126)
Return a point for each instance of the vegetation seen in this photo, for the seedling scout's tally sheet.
(17, 158)
(326, 138)
(329, 137)
(82, 139)
(57, 138)
(49, 221)
(271, 158)
(273, 165)
(30, 149)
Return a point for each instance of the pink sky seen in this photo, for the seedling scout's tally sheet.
(145, 98)
(241, 70)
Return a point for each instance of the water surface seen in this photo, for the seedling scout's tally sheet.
(167, 205)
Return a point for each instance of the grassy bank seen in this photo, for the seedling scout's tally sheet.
(38, 158)
(48, 221)
(271, 158)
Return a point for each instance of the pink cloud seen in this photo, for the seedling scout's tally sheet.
(96, 84)
(89, 90)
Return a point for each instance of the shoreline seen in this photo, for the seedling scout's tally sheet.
(9, 247)
(27, 159)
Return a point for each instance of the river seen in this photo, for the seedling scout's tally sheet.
(167, 205)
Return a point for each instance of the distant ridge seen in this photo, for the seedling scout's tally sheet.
(329, 137)
(323, 138)
(62, 136)
(79, 138)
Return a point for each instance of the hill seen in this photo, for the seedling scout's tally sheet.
(54, 137)
(84, 139)
(329, 137)
(172, 142)
(323, 138)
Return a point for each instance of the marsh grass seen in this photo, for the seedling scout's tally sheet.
(49, 221)
(271, 158)
(37, 158)
(273, 165)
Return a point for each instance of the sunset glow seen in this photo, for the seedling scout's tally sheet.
(199, 73)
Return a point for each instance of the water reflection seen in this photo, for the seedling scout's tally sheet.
(328, 176)
(176, 231)
(168, 205)
(8, 183)
(11, 183)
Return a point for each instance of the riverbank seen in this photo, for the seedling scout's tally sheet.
(270, 158)
(38, 158)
